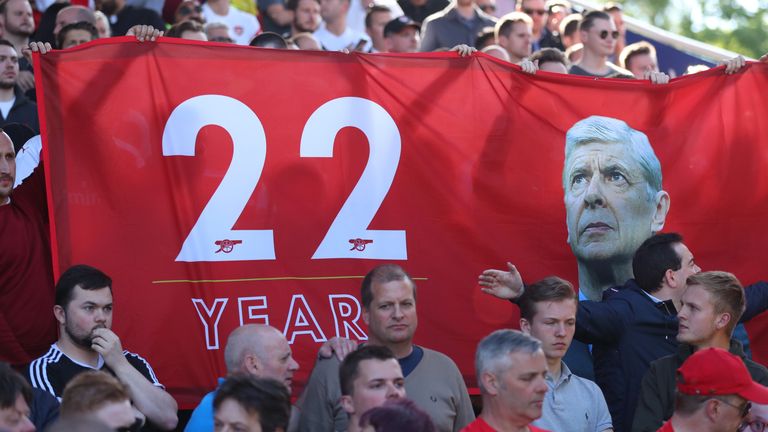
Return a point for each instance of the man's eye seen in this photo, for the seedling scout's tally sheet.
(616, 176)
(578, 178)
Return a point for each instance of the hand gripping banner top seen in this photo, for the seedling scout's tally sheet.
(222, 185)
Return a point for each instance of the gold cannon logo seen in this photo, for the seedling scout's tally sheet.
(227, 245)
(358, 244)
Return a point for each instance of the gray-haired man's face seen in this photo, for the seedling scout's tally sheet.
(607, 204)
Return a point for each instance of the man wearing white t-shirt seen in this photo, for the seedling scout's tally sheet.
(334, 34)
(242, 25)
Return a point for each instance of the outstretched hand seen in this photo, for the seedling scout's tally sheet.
(502, 284)
(338, 346)
(528, 66)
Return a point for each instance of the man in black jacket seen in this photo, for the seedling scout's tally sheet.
(711, 306)
(14, 106)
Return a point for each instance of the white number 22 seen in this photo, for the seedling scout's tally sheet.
(212, 237)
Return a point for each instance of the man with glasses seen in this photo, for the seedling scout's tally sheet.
(714, 390)
(599, 35)
(712, 303)
(756, 420)
(537, 11)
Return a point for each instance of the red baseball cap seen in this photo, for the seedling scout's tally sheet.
(715, 371)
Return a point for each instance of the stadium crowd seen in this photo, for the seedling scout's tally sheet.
(651, 349)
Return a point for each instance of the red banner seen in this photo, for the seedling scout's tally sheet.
(227, 185)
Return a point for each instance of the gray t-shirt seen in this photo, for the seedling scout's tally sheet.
(435, 385)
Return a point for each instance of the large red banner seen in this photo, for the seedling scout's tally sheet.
(220, 186)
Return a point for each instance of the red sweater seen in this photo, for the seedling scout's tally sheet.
(27, 324)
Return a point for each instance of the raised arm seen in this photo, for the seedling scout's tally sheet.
(157, 405)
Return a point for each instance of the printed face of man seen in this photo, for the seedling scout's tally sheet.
(87, 311)
(232, 417)
(594, 43)
(7, 168)
(307, 16)
(608, 210)
(697, 317)
(278, 362)
(15, 418)
(554, 325)
(405, 41)
(377, 382)
(392, 318)
(9, 62)
(522, 386)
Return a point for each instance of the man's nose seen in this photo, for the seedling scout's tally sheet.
(593, 196)
(560, 329)
(294, 365)
(397, 312)
(393, 392)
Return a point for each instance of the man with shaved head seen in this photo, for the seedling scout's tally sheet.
(259, 350)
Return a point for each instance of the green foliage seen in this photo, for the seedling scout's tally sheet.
(726, 23)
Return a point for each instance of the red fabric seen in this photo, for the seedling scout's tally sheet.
(27, 325)
(666, 427)
(477, 183)
(479, 425)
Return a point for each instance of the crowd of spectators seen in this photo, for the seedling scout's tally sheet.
(645, 329)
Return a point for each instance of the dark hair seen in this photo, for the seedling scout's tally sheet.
(372, 10)
(550, 288)
(4, 41)
(11, 386)
(726, 292)
(349, 368)
(653, 258)
(570, 24)
(178, 29)
(400, 415)
(484, 36)
(549, 55)
(83, 276)
(263, 396)
(382, 274)
(269, 40)
(90, 390)
(294, 4)
(80, 25)
(589, 19)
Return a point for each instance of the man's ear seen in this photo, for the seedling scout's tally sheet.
(525, 326)
(252, 364)
(346, 404)
(722, 320)
(60, 314)
(662, 201)
(490, 383)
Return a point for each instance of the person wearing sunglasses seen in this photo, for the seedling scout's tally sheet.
(537, 11)
(712, 304)
(714, 393)
(598, 33)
